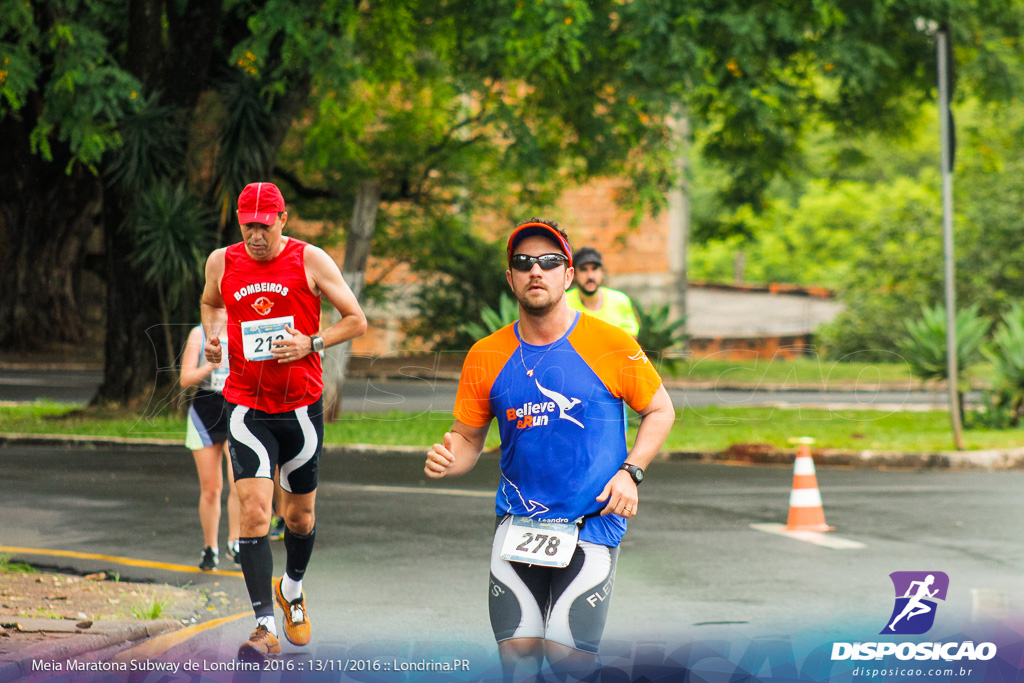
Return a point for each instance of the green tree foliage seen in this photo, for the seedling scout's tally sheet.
(57, 59)
(864, 218)
(904, 268)
(158, 100)
(465, 274)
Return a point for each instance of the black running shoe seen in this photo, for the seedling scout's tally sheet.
(209, 561)
(276, 528)
(233, 552)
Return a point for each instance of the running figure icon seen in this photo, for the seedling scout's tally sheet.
(915, 606)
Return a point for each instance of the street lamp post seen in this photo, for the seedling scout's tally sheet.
(942, 36)
(941, 33)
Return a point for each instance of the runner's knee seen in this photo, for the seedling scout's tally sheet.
(210, 494)
(255, 511)
(300, 523)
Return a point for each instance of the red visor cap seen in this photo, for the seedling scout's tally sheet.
(260, 203)
(530, 229)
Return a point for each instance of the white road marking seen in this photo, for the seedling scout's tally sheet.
(373, 488)
(821, 538)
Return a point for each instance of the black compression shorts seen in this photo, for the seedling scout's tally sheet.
(292, 441)
(207, 420)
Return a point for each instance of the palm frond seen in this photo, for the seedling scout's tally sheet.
(172, 233)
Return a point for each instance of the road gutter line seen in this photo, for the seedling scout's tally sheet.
(158, 646)
(129, 561)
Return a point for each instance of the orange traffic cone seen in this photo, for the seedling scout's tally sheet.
(805, 510)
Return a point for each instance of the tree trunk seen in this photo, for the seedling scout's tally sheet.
(679, 210)
(357, 251)
(133, 322)
(46, 217)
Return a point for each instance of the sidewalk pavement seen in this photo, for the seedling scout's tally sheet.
(61, 639)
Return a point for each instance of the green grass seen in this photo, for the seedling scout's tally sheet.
(702, 429)
(47, 417)
(389, 429)
(813, 373)
(805, 373)
(716, 428)
(8, 567)
(154, 609)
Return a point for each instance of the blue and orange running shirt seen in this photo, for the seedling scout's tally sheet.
(563, 426)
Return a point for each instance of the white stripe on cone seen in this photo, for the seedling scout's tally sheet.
(803, 465)
(805, 498)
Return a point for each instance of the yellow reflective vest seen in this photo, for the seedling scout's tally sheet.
(616, 308)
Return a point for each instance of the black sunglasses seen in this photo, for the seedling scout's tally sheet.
(524, 263)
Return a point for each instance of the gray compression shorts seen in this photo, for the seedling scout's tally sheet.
(567, 605)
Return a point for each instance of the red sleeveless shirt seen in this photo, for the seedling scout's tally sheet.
(261, 296)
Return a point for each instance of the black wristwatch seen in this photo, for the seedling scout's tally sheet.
(317, 343)
(636, 472)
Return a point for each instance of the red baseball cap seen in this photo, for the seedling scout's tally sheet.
(528, 229)
(260, 203)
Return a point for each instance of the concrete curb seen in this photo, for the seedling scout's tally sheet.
(984, 460)
(748, 454)
(75, 440)
(113, 633)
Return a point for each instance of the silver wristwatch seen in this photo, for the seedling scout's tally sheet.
(318, 343)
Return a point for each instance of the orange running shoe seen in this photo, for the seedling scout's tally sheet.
(296, 621)
(261, 646)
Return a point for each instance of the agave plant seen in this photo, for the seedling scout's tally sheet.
(660, 334)
(172, 234)
(491, 321)
(924, 347)
(1006, 351)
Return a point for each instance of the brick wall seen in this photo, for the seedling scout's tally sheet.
(751, 348)
(591, 218)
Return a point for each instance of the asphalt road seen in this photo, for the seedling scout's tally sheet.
(362, 395)
(400, 566)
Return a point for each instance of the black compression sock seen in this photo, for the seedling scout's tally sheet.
(298, 550)
(257, 562)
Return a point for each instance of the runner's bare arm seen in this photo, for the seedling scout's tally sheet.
(191, 372)
(212, 305)
(655, 423)
(459, 452)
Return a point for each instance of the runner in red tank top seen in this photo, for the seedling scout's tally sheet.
(262, 297)
(271, 285)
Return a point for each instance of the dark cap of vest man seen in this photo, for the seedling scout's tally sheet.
(587, 255)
